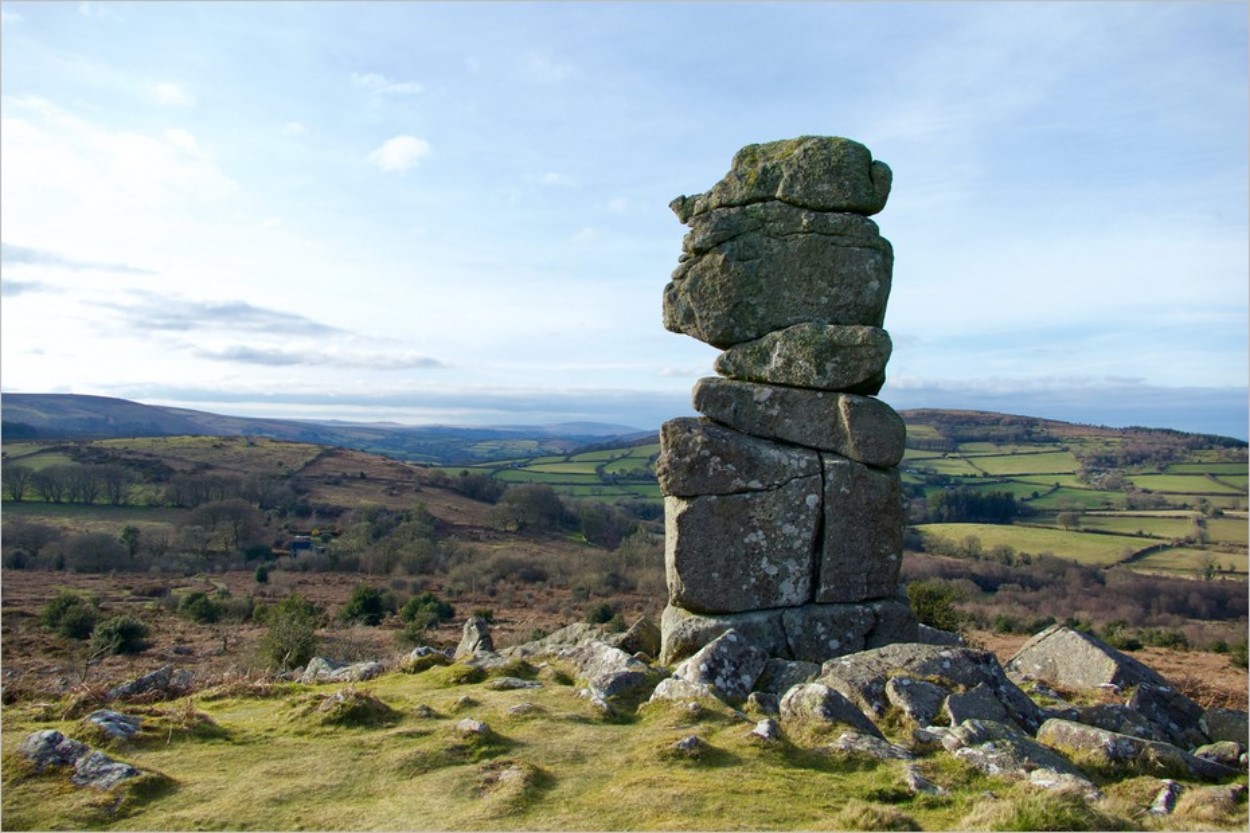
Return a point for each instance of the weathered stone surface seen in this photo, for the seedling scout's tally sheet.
(1225, 724)
(1117, 718)
(1126, 752)
(643, 637)
(999, 749)
(817, 706)
(827, 173)
(767, 730)
(1068, 658)
(677, 690)
(469, 726)
(776, 266)
(730, 664)
(476, 638)
(977, 703)
(862, 677)
(764, 702)
(161, 679)
(1226, 752)
(116, 725)
(99, 771)
(1165, 799)
(610, 673)
(563, 638)
(871, 746)
(684, 632)
(862, 544)
(734, 553)
(780, 675)
(896, 621)
(699, 457)
(512, 684)
(816, 633)
(848, 358)
(1172, 712)
(919, 699)
(859, 427)
(322, 670)
(423, 658)
(917, 784)
(48, 747)
(936, 636)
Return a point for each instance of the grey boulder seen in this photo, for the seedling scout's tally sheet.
(848, 358)
(729, 664)
(1069, 658)
(700, 457)
(813, 706)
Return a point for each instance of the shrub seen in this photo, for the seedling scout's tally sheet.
(426, 607)
(291, 640)
(368, 605)
(485, 614)
(120, 635)
(262, 574)
(70, 615)
(933, 601)
(1238, 654)
(198, 607)
(601, 613)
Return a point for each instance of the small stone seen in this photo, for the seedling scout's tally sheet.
(764, 702)
(469, 726)
(424, 712)
(512, 684)
(871, 746)
(1165, 799)
(524, 710)
(691, 745)
(767, 730)
(917, 784)
(101, 772)
(116, 725)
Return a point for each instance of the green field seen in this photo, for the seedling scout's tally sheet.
(1218, 469)
(1232, 530)
(948, 465)
(1135, 525)
(1190, 562)
(1055, 462)
(1068, 498)
(1083, 547)
(1184, 484)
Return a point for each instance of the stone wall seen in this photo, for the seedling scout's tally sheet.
(784, 512)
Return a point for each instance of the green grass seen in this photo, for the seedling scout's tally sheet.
(1051, 462)
(561, 468)
(1190, 562)
(1085, 548)
(947, 465)
(1232, 530)
(1131, 525)
(551, 478)
(1188, 484)
(1218, 469)
(1069, 498)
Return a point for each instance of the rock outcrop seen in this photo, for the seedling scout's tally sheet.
(784, 511)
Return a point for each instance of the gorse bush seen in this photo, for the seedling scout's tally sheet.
(368, 606)
(198, 607)
(933, 600)
(69, 615)
(428, 608)
(291, 640)
(120, 635)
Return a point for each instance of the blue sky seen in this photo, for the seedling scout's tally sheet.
(457, 213)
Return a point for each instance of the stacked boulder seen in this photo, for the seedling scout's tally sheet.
(784, 510)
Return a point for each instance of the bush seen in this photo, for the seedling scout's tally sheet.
(198, 607)
(368, 605)
(291, 640)
(262, 574)
(933, 601)
(120, 635)
(1238, 654)
(599, 614)
(428, 608)
(69, 615)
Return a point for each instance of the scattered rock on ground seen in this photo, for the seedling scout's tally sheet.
(1226, 752)
(819, 707)
(977, 703)
(1127, 753)
(1171, 712)
(115, 724)
(322, 670)
(476, 638)
(871, 746)
(1225, 724)
(1165, 799)
(643, 637)
(919, 699)
(730, 664)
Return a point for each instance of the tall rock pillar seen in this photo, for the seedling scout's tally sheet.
(784, 512)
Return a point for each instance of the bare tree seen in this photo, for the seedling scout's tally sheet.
(16, 481)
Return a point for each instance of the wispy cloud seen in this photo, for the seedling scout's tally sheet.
(400, 154)
(22, 255)
(553, 179)
(171, 95)
(294, 128)
(287, 357)
(7, 16)
(14, 288)
(381, 85)
(160, 312)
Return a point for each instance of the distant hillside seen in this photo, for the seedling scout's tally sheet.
(73, 416)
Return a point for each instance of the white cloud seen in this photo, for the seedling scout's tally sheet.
(400, 153)
(551, 178)
(9, 17)
(96, 10)
(589, 234)
(171, 95)
(619, 205)
(294, 128)
(381, 85)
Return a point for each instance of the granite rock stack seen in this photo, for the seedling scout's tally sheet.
(784, 512)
